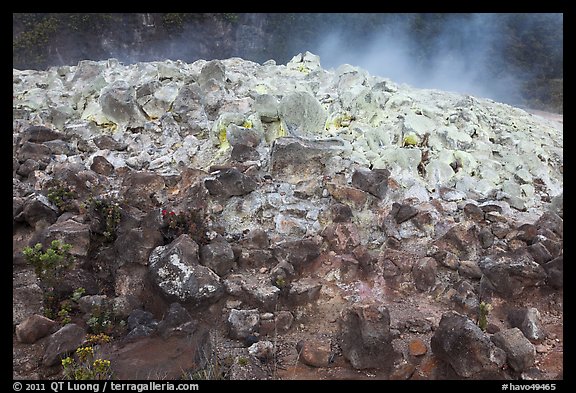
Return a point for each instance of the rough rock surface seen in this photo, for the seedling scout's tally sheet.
(223, 205)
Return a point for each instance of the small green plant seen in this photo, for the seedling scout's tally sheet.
(483, 311)
(280, 282)
(77, 294)
(85, 367)
(61, 195)
(49, 264)
(242, 361)
(107, 211)
(64, 313)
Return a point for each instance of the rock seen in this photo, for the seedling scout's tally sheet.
(305, 290)
(242, 323)
(293, 159)
(465, 298)
(341, 237)
(349, 196)
(462, 241)
(146, 239)
(118, 103)
(266, 106)
(102, 166)
(71, 232)
(555, 271)
(159, 357)
(246, 368)
(256, 239)
(527, 233)
(230, 182)
(62, 342)
(551, 221)
(175, 318)
(402, 213)
(214, 70)
(417, 347)
(373, 181)
(242, 136)
(27, 167)
(470, 269)
(34, 328)
(340, 212)
(263, 350)
(27, 296)
(529, 322)
(510, 272)
(218, 256)
(365, 337)
(314, 353)
(176, 271)
(243, 153)
(106, 142)
(142, 188)
(486, 238)
(424, 273)
(297, 253)
(34, 151)
(460, 343)
(88, 303)
(302, 114)
(473, 212)
(37, 211)
(520, 353)
(402, 372)
(141, 324)
(40, 134)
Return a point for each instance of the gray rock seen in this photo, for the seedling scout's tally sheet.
(470, 269)
(88, 303)
(61, 343)
(27, 167)
(302, 114)
(551, 221)
(176, 271)
(27, 296)
(34, 328)
(555, 271)
(424, 273)
(520, 353)
(486, 238)
(243, 323)
(243, 153)
(402, 213)
(218, 256)
(466, 348)
(473, 212)
(298, 253)
(374, 181)
(529, 322)
(213, 69)
(305, 290)
(263, 350)
(118, 103)
(230, 182)
(134, 245)
(511, 272)
(266, 106)
(237, 135)
(465, 299)
(38, 211)
(34, 151)
(141, 318)
(175, 318)
(365, 338)
(341, 212)
(294, 159)
(71, 232)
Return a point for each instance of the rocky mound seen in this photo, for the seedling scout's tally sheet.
(236, 220)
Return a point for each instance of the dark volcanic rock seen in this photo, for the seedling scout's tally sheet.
(218, 256)
(466, 348)
(230, 182)
(365, 337)
(424, 273)
(402, 213)
(520, 353)
(373, 181)
(176, 271)
(529, 322)
(61, 343)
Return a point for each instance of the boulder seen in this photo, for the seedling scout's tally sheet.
(314, 352)
(298, 252)
(62, 343)
(466, 348)
(529, 322)
(373, 181)
(118, 103)
(341, 237)
(218, 256)
(302, 114)
(520, 353)
(424, 273)
(179, 276)
(230, 182)
(34, 328)
(73, 233)
(365, 338)
(243, 323)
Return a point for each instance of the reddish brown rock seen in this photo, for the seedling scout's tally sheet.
(34, 328)
(417, 347)
(315, 353)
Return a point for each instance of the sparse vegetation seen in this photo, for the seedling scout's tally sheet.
(483, 311)
(85, 367)
(49, 263)
(106, 211)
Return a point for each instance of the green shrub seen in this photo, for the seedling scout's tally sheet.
(85, 367)
(50, 263)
